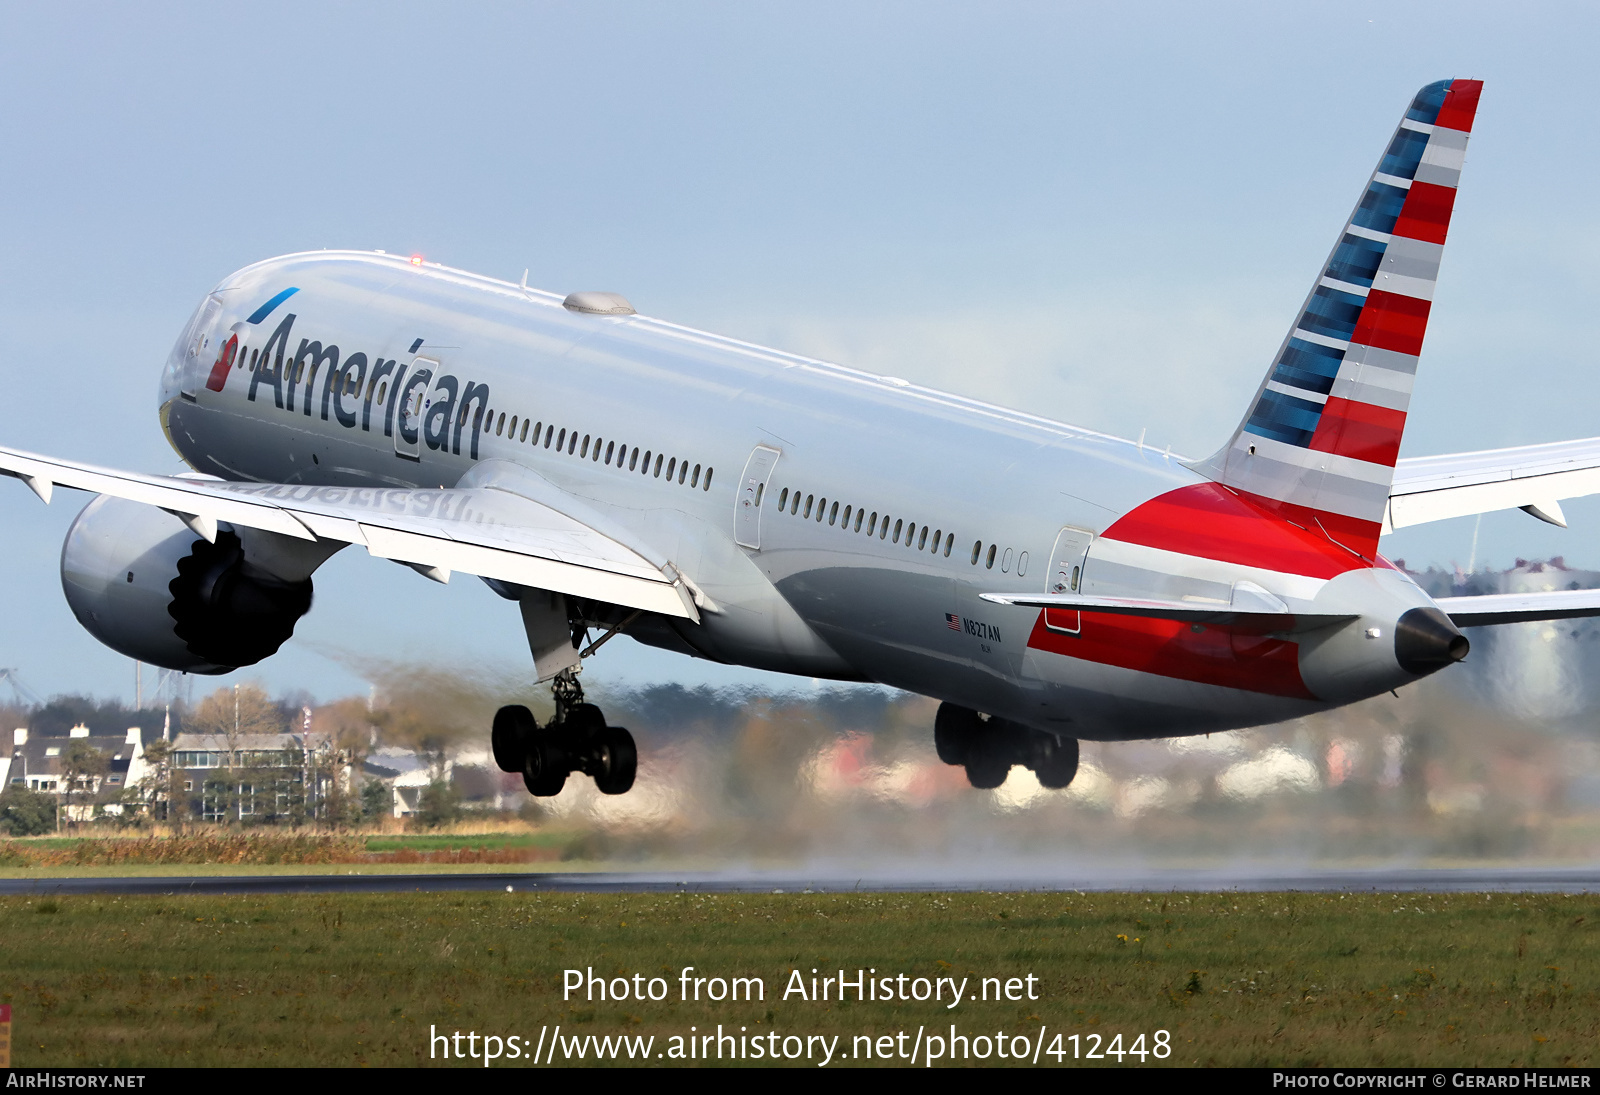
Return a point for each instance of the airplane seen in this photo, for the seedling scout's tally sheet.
(610, 473)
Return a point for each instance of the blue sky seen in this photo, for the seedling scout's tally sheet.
(1104, 213)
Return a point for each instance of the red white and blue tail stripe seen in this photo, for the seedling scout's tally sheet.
(1321, 438)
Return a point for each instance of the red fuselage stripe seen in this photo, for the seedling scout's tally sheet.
(1212, 522)
(1167, 648)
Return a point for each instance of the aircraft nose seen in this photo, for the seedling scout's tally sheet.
(1425, 641)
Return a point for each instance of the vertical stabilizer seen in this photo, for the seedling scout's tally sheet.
(1321, 437)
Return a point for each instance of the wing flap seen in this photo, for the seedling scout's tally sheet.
(474, 530)
(1515, 608)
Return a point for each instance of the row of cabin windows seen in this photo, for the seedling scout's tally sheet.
(589, 448)
(854, 519)
(598, 450)
(1005, 560)
(857, 519)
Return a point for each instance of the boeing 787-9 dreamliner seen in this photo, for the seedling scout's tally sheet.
(606, 472)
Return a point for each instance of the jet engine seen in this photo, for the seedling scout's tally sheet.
(139, 580)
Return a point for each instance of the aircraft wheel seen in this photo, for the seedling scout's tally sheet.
(954, 731)
(618, 761)
(1055, 761)
(544, 772)
(583, 720)
(514, 729)
(987, 772)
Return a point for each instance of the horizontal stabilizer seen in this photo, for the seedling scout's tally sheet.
(1529, 477)
(1516, 608)
(1200, 612)
(483, 530)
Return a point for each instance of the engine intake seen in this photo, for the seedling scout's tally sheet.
(145, 585)
(227, 612)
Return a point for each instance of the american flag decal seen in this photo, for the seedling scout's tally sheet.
(952, 621)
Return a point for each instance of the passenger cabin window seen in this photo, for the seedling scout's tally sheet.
(990, 564)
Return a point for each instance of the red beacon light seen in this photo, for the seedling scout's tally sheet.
(416, 260)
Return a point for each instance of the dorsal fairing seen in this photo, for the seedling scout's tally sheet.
(1322, 435)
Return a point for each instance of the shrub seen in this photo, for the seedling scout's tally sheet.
(26, 813)
(438, 804)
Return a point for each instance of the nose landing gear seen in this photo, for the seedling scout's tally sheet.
(577, 739)
(988, 748)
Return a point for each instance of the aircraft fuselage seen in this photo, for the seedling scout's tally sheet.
(885, 512)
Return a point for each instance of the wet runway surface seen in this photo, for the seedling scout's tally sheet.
(1439, 880)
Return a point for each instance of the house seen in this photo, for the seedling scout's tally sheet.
(263, 777)
(478, 782)
(406, 774)
(37, 762)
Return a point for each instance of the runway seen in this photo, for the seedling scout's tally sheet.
(1397, 880)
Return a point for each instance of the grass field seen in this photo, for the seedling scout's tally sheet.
(1236, 979)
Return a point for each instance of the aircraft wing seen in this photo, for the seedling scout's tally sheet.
(1534, 478)
(478, 530)
(1516, 608)
(1277, 617)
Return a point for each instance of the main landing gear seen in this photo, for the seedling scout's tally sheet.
(577, 739)
(987, 748)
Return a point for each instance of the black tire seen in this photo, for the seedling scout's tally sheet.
(987, 772)
(1055, 761)
(544, 772)
(954, 731)
(583, 720)
(514, 730)
(619, 761)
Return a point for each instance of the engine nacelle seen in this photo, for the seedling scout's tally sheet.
(141, 582)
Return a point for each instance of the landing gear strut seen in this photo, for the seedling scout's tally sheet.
(987, 748)
(577, 739)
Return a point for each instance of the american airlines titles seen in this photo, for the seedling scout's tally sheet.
(452, 402)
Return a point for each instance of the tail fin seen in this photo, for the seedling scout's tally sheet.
(1323, 432)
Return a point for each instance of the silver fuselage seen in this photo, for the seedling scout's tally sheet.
(817, 597)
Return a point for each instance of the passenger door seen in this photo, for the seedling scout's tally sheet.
(195, 365)
(415, 396)
(752, 490)
(1065, 575)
